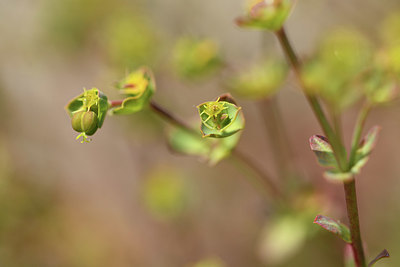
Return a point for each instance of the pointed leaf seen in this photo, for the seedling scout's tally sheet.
(323, 150)
(334, 226)
(383, 254)
(368, 142)
(366, 146)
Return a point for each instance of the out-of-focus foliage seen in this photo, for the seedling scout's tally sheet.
(73, 23)
(263, 14)
(391, 40)
(261, 81)
(211, 150)
(210, 262)
(129, 40)
(284, 235)
(332, 73)
(165, 193)
(195, 58)
(28, 219)
(119, 31)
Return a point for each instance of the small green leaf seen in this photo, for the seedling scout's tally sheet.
(220, 119)
(212, 150)
(139, 87)
(334, 226)
(266, 15)
(365, 148)
(323, 150)
(383, 254)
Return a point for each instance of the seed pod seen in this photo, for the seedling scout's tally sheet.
(85, 122)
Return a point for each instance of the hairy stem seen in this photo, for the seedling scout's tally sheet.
(337, 146)
(265, 179)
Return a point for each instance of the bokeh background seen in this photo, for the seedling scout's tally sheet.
(125, 199)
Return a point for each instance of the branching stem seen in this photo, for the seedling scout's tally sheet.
(337, 146)
(265, 178)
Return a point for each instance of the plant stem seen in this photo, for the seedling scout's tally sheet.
(168, 116)
(362, 117)
(265, 178)
(337, 146)
(352, 213)
(277, 136)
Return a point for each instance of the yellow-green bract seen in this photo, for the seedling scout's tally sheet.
(87, 112)
(138, 87)
(220, 118)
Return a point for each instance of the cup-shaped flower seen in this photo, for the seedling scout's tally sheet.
(266, 14)
(87, 112)
(138, 87)
(220, 118)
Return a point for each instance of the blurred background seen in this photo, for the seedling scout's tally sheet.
(125, 199)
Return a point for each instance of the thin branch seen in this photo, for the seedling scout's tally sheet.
(265, 178)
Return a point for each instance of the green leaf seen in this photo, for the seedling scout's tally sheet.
(365, 148)
(323, 150)
(384, 254)
(187, 143)
(220, 119)
(334, 226)
(269, 15)
(139, 87)
(211, 150)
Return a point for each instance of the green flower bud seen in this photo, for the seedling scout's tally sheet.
(85, 122)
